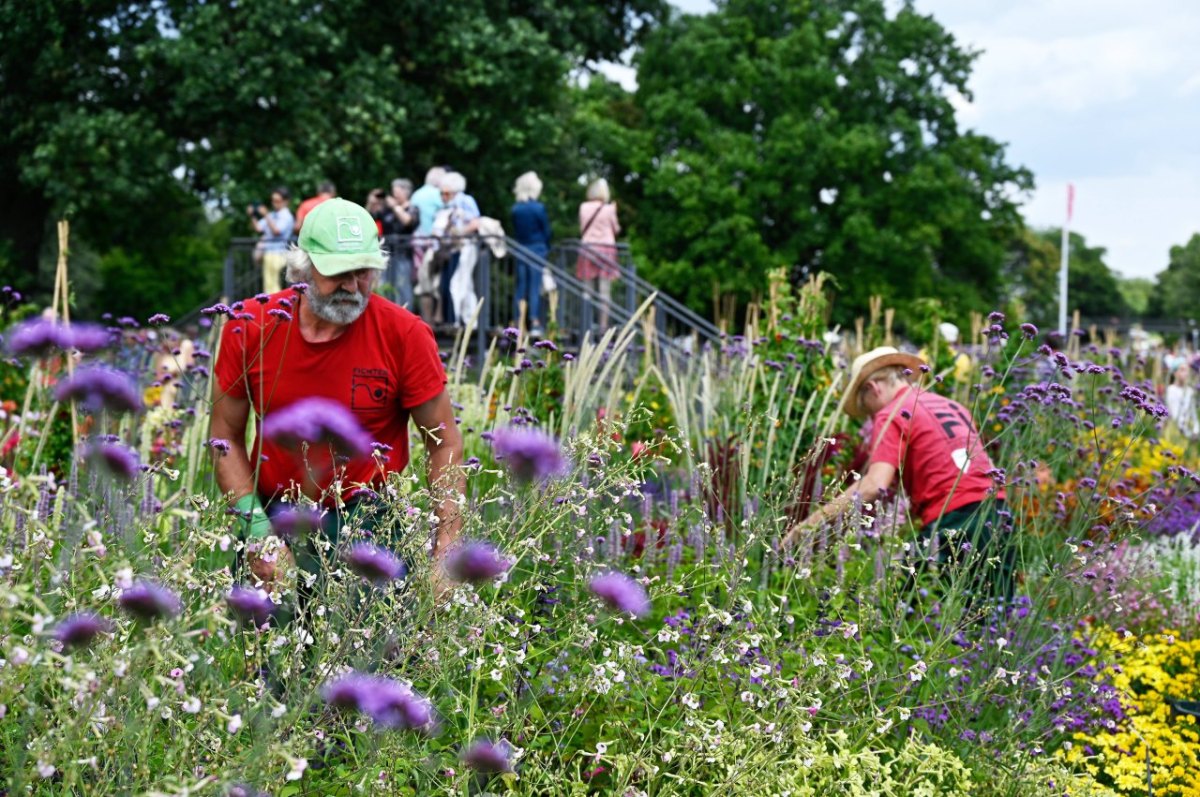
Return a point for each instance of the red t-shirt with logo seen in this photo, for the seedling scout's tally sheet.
(382, 365)
(933, 443)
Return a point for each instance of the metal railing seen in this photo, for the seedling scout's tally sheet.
(576, 308)
(675, 320)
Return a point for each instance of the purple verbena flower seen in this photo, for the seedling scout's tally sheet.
(149, 601)
(1029, 331)
(389, 703)
(219, 444)
(244, 790)
(375, 564)
(530, 454)
(318, 420)
(38, 338)
(282, 315)
(97, 388)
(158, 319)
(80, 630)
(545, 344)
(488, 757)
(295, 521)
(476, 562)
(621, 593)
(250, 605)
(117, 459)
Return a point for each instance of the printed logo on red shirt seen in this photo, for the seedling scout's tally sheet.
(370, 388)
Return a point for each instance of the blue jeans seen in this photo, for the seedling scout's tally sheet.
(399, 276)
(529, 287)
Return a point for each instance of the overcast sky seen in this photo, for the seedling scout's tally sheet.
(1101, 93)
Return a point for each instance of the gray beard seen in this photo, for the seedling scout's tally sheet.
(340, 307)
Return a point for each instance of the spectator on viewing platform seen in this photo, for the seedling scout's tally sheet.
(399, 218)
(275, 226)
(337, 342)
(1181, 402)
(531, 229)
(325, 190)
(932, 443)
(427, 200)
(458, 221)
(598, 230)
(374, 205)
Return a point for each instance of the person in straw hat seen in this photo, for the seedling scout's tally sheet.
(932, 443)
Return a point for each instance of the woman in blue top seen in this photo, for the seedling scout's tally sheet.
(531, 229)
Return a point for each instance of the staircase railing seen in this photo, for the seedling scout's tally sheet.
(574, 306)
(674, 319)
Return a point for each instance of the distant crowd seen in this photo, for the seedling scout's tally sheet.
(433, 234)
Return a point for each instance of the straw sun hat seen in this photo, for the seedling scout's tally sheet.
(865, 365)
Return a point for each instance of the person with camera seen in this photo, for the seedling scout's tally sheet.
(275, 228)
(398, 219)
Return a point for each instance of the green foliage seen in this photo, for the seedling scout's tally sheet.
(1136, 292)
(1178, 291)
(123, 114)
(1093, 288)
(820, 136)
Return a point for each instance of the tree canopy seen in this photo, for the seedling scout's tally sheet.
(820, 135)
(126, 116)
(1177, 294)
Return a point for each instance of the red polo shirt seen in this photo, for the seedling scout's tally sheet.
(932, 441)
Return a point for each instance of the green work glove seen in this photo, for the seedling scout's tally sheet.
(257, 525)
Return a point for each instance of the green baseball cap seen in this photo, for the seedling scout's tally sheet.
(341, 236)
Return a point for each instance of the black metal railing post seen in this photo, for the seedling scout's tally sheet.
(483, 268)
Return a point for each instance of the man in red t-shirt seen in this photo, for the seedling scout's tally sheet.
(932, 443)
(326, 190)
(340, 342)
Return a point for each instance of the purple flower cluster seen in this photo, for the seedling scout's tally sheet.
(318, 420)
(375, 564)
(116, 459)
(488, 757)
(40, 337)
(146, 600)
(529, 454)
(295, 521)
(476, 562)
(100, 388)
(80, 630)
(389, 703)
(250, 605)
(621, 593)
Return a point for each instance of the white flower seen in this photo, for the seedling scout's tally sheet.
(19, 656)
(235, 724)
(191, 705)
(691, 700)
(46, 769)
(497, 675)
(125, 578)
(1001, 642)
(298, 766)
(278, 711)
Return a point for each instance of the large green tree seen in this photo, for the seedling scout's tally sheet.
(1177, 294)
(133, 118)
(1093, 288)
(819, 134)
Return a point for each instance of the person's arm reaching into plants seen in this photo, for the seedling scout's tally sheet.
(879, 477)
(235, 477)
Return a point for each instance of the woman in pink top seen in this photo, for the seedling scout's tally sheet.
(598, 228)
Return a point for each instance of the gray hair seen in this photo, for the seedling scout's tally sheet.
(401, 182)
(300, 267)
(527, 187)
(434, 176)
(454, 182)
(599, 190)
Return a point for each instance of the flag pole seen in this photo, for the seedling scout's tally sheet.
(1062, 272)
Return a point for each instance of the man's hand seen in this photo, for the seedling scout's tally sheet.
(797, 531)
(268, 560)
